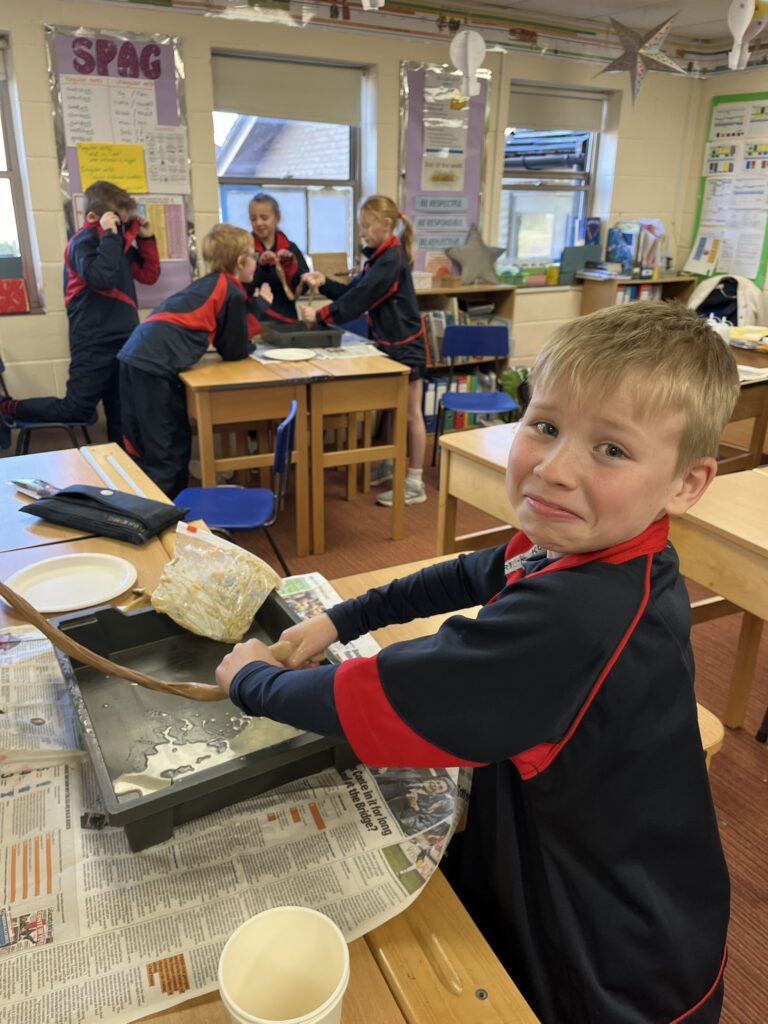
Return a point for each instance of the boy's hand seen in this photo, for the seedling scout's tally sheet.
(310, 638)
(145, 228)
(314, 279)
(240, 656)
(308, 314)
(265, 292)
(109, 221)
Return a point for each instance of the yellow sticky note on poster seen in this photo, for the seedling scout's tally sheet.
(119, 163)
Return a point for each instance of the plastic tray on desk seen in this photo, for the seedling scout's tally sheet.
(297, 336)
(122, 724)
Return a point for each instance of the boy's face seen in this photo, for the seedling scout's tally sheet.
(583, 477)
(263, 221)
(245, 267)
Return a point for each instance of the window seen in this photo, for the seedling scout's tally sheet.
(15, 249)
(309, 163)
(549, 156)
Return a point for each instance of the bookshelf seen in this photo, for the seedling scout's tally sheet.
(494, 300)
(596, 293)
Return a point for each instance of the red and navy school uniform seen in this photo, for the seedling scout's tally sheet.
(214, 310)
(100, 268)
(591, 858)
(384, 290)
(282, 308)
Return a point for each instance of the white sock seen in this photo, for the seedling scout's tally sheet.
(414, 476)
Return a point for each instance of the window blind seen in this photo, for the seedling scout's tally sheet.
(547, 109)
(288, 90)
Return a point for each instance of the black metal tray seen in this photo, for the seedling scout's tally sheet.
(206, 746)
(299, 336)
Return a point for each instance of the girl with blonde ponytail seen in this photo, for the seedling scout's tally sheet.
(384, 290)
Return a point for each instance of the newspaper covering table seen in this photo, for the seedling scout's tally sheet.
(92, 931)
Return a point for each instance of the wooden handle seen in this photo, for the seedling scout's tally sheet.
(195, 691)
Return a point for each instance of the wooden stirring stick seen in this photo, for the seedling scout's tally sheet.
(195, 691)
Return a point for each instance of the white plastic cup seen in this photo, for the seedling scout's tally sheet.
(288, 965)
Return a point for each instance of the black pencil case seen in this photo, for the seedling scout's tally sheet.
(107, 513)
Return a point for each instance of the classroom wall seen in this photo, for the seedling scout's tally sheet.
(649, 151)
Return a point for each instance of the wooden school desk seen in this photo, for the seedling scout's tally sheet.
(246, 391)
(722, 541)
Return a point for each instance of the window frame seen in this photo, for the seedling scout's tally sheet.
(13, 174)
(553, 180)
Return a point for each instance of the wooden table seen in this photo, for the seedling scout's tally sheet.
(245, 392)
(722, 541)
(70, 466)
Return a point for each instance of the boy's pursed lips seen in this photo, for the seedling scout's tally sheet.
(549, 509)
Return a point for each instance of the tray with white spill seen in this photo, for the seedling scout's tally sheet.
(160, 759)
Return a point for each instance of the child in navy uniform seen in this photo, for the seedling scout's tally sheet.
(280, 262)
(591, 858)
(102, 260)
(213, 310)
(384, 289)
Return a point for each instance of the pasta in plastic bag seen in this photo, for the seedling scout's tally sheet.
(212, 587)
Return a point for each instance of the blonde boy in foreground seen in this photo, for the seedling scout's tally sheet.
(591, 858)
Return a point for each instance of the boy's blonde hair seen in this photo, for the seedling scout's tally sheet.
(382, 206)
(103, 197)
(223, 246)
(668, 356)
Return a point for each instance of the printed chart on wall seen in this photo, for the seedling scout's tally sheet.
(443, 153)
(730, 235)
(119, 118)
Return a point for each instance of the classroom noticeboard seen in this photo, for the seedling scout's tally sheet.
(119, 118)
(731, 229)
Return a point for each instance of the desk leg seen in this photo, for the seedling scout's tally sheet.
(302, 474)
(400, 438)
(316, 469)
(743, 670)
(203, 415)
(446, 509)
(351, 445)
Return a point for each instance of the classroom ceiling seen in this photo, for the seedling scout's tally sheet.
(701, 20)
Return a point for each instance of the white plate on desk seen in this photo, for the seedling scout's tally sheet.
(70, 582)
(289, 355)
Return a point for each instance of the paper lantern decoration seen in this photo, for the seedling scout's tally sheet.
(746, 20)
(467, 50)
(476, 259)
(642, 53)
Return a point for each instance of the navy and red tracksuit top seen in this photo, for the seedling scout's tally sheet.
(214, 310)
(591, 857)
(100, 268)
(384, 289)
(282, 308)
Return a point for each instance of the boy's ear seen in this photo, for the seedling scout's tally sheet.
(695, 480)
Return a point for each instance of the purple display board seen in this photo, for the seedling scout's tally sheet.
(118, 96)
(443, 142)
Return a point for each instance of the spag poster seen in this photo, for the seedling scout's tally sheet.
(119, 118)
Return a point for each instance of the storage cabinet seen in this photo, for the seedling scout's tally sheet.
(597, 293)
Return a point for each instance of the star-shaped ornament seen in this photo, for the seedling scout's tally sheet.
(642, 53)
(476, 259)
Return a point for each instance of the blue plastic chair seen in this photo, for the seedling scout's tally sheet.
(358, 326)
(26, 427)
(477, 341)
(230, 509)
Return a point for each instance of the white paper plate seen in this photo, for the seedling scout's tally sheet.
(290, 355)
(70, 582)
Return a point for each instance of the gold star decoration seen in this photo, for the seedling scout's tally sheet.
(642, 53)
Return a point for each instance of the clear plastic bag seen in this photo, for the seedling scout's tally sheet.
(212, 587)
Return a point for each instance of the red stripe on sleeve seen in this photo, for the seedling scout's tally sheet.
(375, 732)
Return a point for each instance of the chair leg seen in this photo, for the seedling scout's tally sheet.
(20, 442)
(438, 432)
(762, 733)
(72, 436)
(86, 435)
(281, 560)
